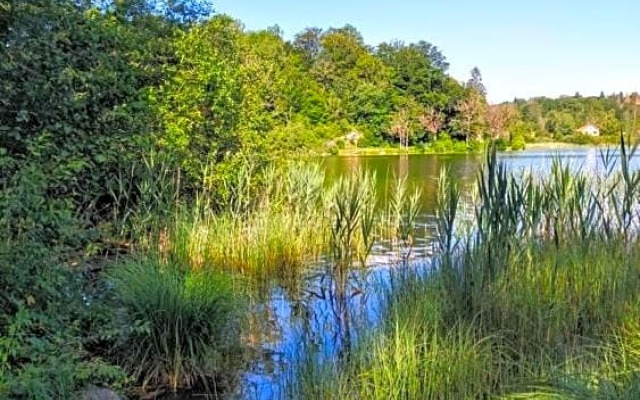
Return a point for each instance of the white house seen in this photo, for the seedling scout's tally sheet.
(590, 129)
(353, 137)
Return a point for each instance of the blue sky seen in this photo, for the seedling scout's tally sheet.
(524, 48)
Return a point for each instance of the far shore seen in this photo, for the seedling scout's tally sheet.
(562, 145)
(392, 151)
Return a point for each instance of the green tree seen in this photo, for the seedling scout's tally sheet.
(475, 82)
(73, 91)
(199, 106)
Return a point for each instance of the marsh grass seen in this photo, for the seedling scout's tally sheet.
(277, 222)
(351, 204)
(269, 222)
(538, 299)
(184, 324)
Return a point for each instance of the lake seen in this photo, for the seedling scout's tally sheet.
(309, 321)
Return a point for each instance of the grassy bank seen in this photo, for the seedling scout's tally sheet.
(443, 145)
(537, 300)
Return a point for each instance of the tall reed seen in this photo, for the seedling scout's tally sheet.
(351, 203)
(534, 299)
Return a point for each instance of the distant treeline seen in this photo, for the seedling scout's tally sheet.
(90, 86)
(562, 118)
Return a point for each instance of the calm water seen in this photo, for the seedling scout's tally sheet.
(313, 314)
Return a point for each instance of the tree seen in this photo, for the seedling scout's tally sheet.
(200, 104)
(471, 112)
(561, 123)
(433, 53)
(401, 127)
(414, 74)
(175, 11)
(499, 117)
(475, 82)
(74, 95)
(309, 43)
(432, 121)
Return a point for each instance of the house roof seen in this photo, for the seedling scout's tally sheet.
(589, 126)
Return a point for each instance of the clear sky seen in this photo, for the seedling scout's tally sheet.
(523, 48)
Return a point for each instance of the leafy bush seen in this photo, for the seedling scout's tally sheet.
(444, 144)
(501, 144)
(475, 146)
(581, 139)
(183, 324)
(518, 143)
(72, 85)
(46, 329)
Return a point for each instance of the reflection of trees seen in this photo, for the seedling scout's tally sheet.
(403, 166)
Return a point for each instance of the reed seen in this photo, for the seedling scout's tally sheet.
(271, 223)
(351, 213)
(538, 299)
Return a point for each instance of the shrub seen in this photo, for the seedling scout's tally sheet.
(475, 146)
(501, 144)
(581, 139)
(183, 324)
(518, 143)
(46, 328)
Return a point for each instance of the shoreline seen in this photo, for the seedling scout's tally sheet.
(396, 151)
(563, 145)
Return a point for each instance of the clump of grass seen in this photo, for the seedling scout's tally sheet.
(183, 323)
(407, 364)
(272, 223)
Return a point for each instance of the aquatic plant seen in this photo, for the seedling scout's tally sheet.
(351, 203)
(183, 323)
(535, 299)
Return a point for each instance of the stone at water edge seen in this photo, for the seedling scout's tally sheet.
(96, 393)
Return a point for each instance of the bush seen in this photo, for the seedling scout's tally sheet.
(475, 146)
(184, 324)
(518, 143)
(443, 144)
(46, 329)
(581, 139)
(501, 144)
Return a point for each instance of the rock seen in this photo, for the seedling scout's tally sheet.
(96, 393)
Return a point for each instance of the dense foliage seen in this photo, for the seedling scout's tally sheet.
(562, 118)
